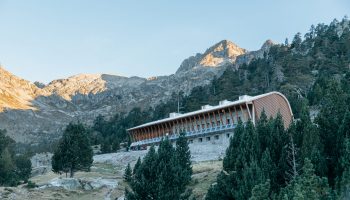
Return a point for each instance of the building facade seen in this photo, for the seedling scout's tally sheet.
(212, 124)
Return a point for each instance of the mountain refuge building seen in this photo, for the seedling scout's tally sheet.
(211, 125)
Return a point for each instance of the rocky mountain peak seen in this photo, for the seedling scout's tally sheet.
(6, 76)
(267, 44)
(223, 52)
(77, 84)
(15, 92)
(8, 81)
(89, 84)
(225, 48)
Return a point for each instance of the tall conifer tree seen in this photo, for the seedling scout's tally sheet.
(73, 152)
(183, 157)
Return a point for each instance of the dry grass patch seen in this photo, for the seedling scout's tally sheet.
(204, 174)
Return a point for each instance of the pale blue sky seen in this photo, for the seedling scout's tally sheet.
(45, 39)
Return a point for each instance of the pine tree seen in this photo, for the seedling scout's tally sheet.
(263, 130)
(13, 168)
(7, 175)
(128, 174)
(344, 192)
(223, 188)
(344, 168)
(170, 185)
(307, 186)
(279, 138)
(5, 141)
(137, 166)
(296, 41)
(242, 165)
(115, 145)
(251, 176)
(144, 184)
(183, 157)
(100, 124)
(311, 146)
(231, 152)
(344, 129)
(286, 42)
(329, 121)
(278, 148)
(162, 174)
(249, 144)
(106, 146)
(73, 152)
(261, 191)
(23, 167)
(268, 169)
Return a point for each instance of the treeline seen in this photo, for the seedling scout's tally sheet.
(162, 174)
(14, 169)
(110, 133)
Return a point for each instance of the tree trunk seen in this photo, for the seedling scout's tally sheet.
(71, 173)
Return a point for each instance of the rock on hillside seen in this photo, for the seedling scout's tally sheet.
(34, 113)
(249, 56)
(15, 92)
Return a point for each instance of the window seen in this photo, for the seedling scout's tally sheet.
(216, 137)
(200, 139)
(227, 135)
(218, 123)
(208, 138)
(228, 121)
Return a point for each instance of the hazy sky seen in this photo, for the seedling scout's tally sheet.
(45, 40)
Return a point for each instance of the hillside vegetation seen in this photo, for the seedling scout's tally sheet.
(300, 70)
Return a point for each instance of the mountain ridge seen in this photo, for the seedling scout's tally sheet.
(83, 97)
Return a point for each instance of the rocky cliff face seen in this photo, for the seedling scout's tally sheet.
(249, 56)
(34, 113)
(222, 53)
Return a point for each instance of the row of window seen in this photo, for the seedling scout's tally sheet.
(216, 137)
(213, 124)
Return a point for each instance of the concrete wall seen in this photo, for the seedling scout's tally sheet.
(203, 149)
